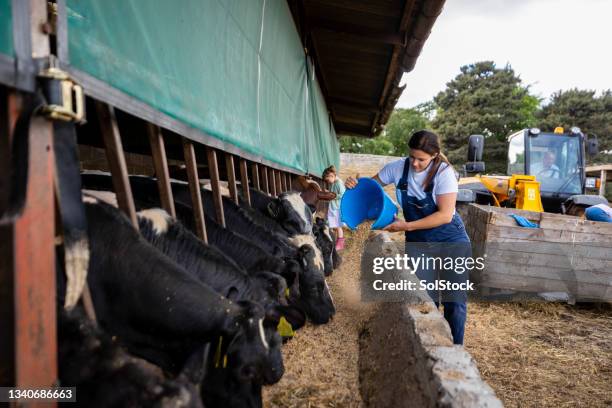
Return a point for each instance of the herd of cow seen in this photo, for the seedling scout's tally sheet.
(184, 323)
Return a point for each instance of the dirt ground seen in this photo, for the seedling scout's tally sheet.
(543, 354)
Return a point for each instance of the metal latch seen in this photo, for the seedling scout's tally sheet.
(64, 97)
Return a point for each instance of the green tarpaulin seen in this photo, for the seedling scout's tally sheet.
(6, 28)
(234, 69)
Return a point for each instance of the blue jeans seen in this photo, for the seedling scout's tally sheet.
(455, 314)
(597, 214)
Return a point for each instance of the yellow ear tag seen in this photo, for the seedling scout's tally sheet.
(287, 292)
(218, 353)
(284, 328)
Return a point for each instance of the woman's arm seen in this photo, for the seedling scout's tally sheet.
(444, 215)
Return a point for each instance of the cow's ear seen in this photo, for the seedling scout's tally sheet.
(273, 209)
(232, 294)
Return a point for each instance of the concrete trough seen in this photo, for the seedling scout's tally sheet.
(407, 357)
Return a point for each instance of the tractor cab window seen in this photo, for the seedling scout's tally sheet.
(516, 155)
(554, 160)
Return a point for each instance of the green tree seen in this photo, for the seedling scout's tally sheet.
(582, 108)
(487, 100)
(394, 139)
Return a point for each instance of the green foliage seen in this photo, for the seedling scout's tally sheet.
(394, 140)
(487, 100)
(484, 99)
(582, 108)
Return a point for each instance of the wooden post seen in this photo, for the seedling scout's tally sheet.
(284, 180)
(264, 178)
(244, 181)
(213, 169)
(602, 186)
(116, 160)
(272, 182)
(231, 177)
(279, 186)
(160, 162)
(255, 173)
(191, 165)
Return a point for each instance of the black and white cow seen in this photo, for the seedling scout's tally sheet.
(105, 375)
(240, 221)
(161, 312)
(214, 268)
(288, 209)
(309, 292)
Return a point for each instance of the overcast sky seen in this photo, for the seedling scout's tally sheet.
(551, 44)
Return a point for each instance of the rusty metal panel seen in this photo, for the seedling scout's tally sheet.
(34, 268)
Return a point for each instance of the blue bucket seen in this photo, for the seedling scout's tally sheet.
(367, 201)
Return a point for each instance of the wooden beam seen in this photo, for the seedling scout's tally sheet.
(359, 33)
(191, 165)
(264, 177)
(255, 175)
(116, 160)
(231, 177)
(602, 186)
(160, 162)
(244, 181)
(213, 169)
(284, 180)
(271, 182)
(279, 185)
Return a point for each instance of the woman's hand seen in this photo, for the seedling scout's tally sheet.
(351, 182)
(398, 225)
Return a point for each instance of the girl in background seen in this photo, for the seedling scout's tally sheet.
(333, 212)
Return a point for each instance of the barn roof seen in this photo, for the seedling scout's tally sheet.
(361, 48)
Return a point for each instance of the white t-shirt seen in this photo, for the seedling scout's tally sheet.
(445, 181)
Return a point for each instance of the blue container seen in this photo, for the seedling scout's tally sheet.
(367, 201)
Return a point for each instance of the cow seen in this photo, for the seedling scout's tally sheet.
(106, 375)
(288, 209)
(214, 268)
(239, 221)
(162, 313)
(309, 292)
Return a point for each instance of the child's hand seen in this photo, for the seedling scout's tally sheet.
(351, 182)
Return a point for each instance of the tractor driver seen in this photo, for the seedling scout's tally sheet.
(547, 168)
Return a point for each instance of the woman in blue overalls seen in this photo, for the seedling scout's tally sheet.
(426, 188)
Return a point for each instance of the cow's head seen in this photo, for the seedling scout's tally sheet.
(292, 213)
(325, 242)
(315, 298)
(248, 345)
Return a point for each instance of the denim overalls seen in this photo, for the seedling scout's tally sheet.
(455, 311)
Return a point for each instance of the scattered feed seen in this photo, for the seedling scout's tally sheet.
(543, 354)
(321, 362)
